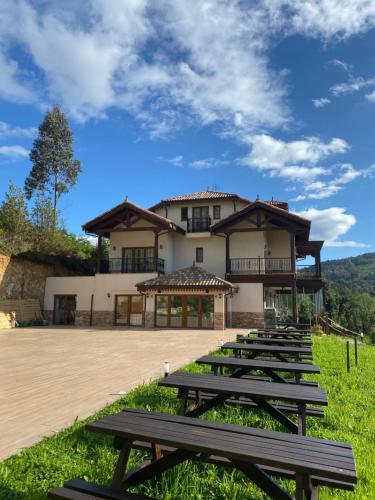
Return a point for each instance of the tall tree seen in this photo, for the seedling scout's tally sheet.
(53, 167)
(14, 222)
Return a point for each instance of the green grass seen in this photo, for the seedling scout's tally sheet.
(74, 452)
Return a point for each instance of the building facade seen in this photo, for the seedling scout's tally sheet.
(202, 260)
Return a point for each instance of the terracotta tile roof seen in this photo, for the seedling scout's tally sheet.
(189, 277)
(200, 196)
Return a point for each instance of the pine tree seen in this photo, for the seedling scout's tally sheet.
(53, 167)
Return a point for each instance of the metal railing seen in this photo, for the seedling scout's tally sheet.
(307, 272)
(198, 224)
(259, 265)
(143, 265)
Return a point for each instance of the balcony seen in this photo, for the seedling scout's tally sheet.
(258, 265)
(145, 265)
(198, 225)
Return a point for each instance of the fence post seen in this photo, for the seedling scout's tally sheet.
(347, 357)
(356, 351)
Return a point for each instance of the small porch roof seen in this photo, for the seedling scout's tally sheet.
(192, 277)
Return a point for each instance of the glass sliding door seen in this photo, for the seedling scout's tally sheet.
(129, 310)
(207, 312)
(64, 310)
(137, 260)
(192, 311)
(184, 311)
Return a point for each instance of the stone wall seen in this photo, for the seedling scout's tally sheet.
(24, 279)
(219, 321)
(82, 318)
(247, 320)
(103, 318)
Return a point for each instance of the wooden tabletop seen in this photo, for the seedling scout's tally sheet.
(301, 454)
(279, 341)
(255, 364)
(266, 348)
(216, 384)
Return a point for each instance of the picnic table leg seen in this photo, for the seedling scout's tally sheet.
(302, 420)
(183, 401)
(263, 480)
(121, 465)
(305, 490)
(277, 414)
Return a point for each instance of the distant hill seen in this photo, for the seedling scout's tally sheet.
(352, 273)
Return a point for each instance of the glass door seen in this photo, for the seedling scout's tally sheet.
(129, 310)
(64, 310)
(200, 220)
(192, 311)
(207, 312)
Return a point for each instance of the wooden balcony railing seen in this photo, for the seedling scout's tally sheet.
(259, 265)
(144, 265)
(198, 225)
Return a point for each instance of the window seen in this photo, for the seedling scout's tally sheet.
(199, 254)
(184, 213)
(217, 212)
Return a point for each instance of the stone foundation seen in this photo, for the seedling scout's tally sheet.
(103, 318)
(149, 320)
(219, 321)
(246, 320)
(82, 318)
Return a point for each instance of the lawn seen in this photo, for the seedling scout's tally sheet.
(74, 452)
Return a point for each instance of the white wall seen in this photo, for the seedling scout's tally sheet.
(213, 253)
(248, 299)
(129, 239)
(174, 211)
(247, 245)
(99, 285)
(278, 243)
(81, 286)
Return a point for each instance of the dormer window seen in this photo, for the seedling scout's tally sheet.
(217, 212)
(184, 213)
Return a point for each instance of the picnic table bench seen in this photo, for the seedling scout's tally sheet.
(283, 335)
(173, 439)
(275, 341)
(241, 367)
(77, 489)
(212, 390)
(283, 353)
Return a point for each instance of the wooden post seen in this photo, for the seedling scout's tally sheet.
(156, 251)
(293, 252)
(347, 357)
(318, 270)
(99, 253)
(227, 253)
(356, 350)
(294, 302)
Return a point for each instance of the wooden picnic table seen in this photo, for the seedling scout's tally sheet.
(174, 439)
(257, 393)
(280, 352)
(283, 335)
(241, 367)
(275, 341)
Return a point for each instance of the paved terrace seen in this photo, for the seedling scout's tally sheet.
(50, 376)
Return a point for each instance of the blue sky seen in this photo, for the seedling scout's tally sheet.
(275, 98)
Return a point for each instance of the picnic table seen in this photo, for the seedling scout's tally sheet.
(285, 334)
(275, 341)
(173, 439)
(213, 390)
(241, 367)
(283, 353)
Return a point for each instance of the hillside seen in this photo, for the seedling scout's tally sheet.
(352, 273)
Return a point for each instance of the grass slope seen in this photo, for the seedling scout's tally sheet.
(74, 452)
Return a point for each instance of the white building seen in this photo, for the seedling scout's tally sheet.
(202, 260)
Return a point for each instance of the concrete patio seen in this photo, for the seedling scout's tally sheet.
(50, 376)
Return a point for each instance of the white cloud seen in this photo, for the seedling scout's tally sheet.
(353, 85)
(7, 130)
(325, 19)
(341, 64)
(331, 224)
(13, 151)
(273, 154)
(371, 97)
(321, 103)
(208, 163)
(176, 161)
